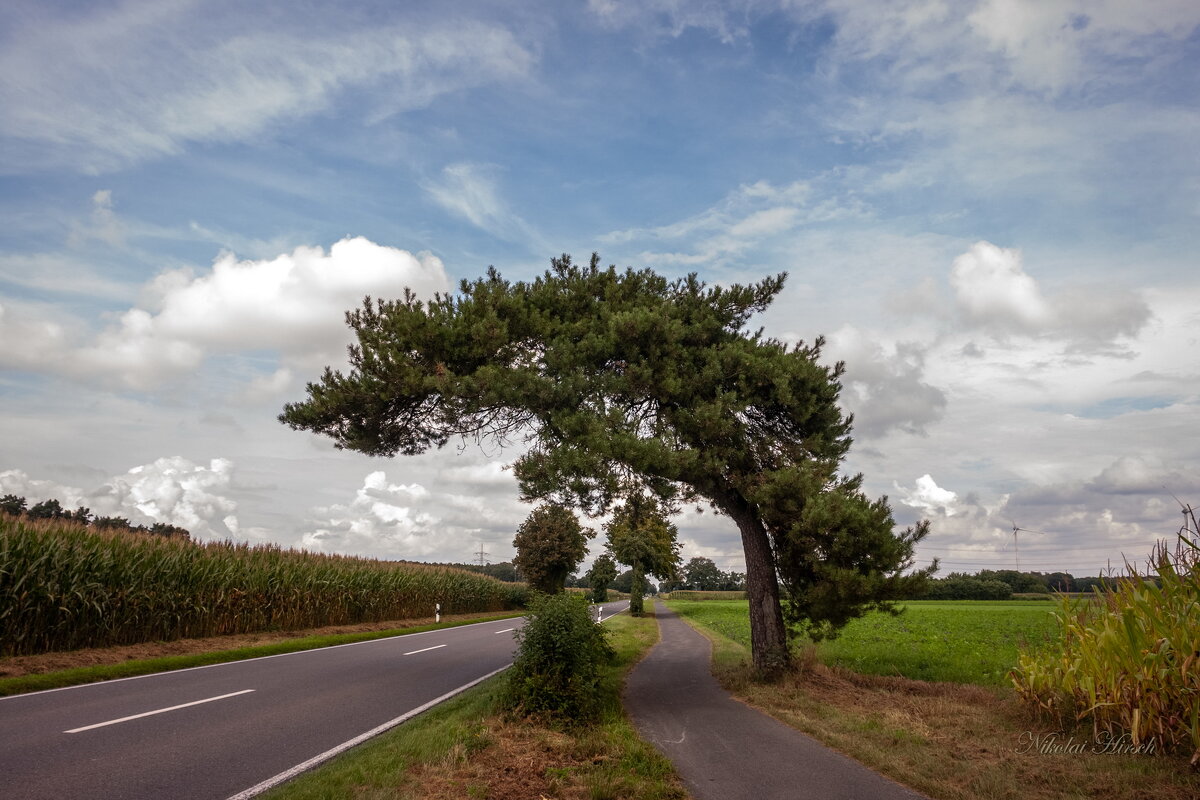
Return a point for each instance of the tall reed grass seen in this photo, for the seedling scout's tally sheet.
(1130, 656)
(64, 586)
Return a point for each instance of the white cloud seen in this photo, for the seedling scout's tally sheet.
(383, 519)
(993, 292)
(470, 191)
(928, 497)
(751, 218)
(885, 389)
(674, 17)
(108, 87)
(1055, 44)
(293, 304)
(173, 490)
(992, 289)
(105, 226)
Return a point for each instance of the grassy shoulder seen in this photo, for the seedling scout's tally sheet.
(467, 747)
(145, 666)
(946, 740)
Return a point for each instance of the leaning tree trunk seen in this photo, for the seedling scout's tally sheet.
(768, 635)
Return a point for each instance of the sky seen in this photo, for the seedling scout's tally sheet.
(991, 210)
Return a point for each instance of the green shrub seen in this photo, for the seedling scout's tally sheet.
(561, 649)
(1130, 658)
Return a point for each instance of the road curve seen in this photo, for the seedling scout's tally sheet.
(211, 733)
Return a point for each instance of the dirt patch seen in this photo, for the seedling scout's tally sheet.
(16, 666)
(524, 760)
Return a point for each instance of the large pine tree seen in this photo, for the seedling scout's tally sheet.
(625, 378)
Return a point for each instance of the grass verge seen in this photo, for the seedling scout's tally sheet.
(949, 741)
(129, 669)
(467, 747)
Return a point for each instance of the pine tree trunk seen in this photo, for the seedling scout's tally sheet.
(768, 635)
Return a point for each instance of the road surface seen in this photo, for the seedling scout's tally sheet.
(726, 750)
(221, 731)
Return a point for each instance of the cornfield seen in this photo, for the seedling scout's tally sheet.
(1130, 657)
(63, 587)
(694, 594)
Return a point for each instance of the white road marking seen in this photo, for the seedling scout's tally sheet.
(308, 652)
(157, 711)
(506, 630)
(287, 775)
(424, 650)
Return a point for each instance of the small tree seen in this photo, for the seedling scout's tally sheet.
(550, 544)
(600, 576)
(12, 504)
(702, 574)
(47, 509)
(640, 535)
(560, 650)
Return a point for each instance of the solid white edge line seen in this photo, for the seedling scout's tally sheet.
(315, 761)
(311, 650)
(425, 650)
(287, 775)
(156, 711)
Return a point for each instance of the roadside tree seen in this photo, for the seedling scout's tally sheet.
(550, 544)
(640, 535)
(619, 379)
(702, 574)
(601, 576)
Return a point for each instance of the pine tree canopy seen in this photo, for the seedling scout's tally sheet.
(623, 381)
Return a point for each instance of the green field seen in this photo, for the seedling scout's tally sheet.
(962, 641)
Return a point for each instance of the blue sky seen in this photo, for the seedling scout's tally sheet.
(990, 210)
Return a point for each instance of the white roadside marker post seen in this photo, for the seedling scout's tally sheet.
(437, 612)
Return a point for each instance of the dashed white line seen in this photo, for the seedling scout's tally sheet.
(156, 711)
(424, 650)
(506, 630)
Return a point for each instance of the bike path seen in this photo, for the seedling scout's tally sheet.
(726, 750)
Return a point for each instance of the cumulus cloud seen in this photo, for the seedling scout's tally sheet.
(884, 386)
(293, 304)
(928, 497)
(384, 519)
(173, 490)
(992, 288)
(1144, 475)
(993, 291)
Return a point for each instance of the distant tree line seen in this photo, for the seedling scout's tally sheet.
(15, 506)
(702, 574)
(990, 584)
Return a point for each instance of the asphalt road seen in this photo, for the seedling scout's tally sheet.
(217, 732)
(726, 750)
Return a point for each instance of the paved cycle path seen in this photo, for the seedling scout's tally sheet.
(725, 750)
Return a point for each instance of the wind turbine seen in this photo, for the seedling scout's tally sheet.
(1016, 548)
